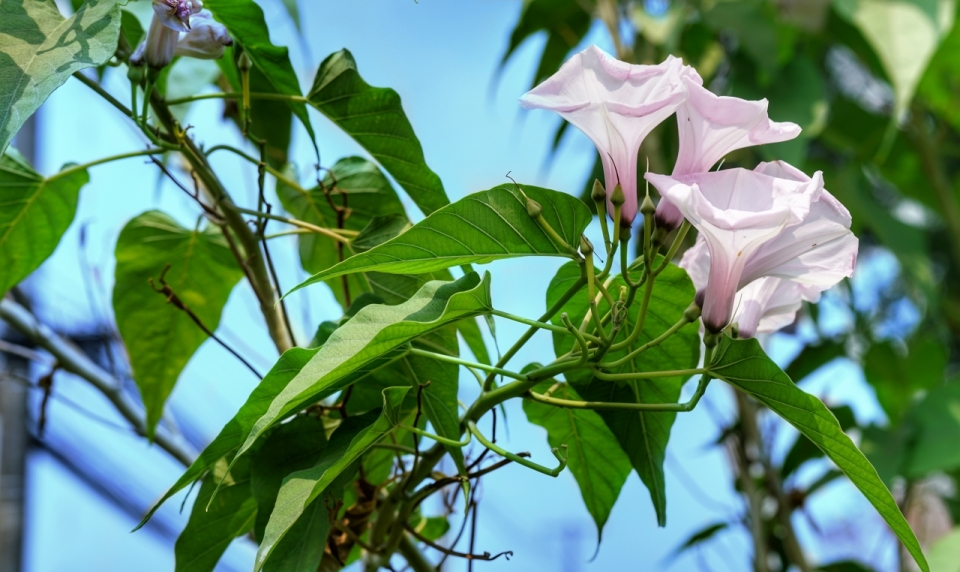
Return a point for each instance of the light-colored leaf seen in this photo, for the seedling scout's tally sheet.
(34, 214)
(160, 338)
(904, 34)
(482, 227)
(40, 49)
(743, 364)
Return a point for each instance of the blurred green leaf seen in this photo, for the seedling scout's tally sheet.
(937, 423)
(566, 23)
(160, 338)
(593, 454)
(887, 450)
(212, 528)
(940, 86)
(34, 214)
(482, 227)
(131, 29)
(244, 20)
(42, 49)
(759, 35)
(848, 566)
(642, 435)
(374, 117)
(354, 437)
(944, 555)
(813, 357)
(700, 536)
(431, 527)
(743, 364)
(898, 378)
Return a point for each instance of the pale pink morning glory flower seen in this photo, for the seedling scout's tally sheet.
(616, 105)
(762, 306)
(712, 126)
(773, 221)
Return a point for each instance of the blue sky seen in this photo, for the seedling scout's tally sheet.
(442, 57)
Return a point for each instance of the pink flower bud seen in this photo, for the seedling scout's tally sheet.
(206, 40)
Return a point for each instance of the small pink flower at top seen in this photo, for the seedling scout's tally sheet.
(773, 221)
(710, 127)
(616, 105)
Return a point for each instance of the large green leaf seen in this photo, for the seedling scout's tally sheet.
(40, 49)
(642, 435)
(354, 185)
(212, 528)
(904, 33)
(374, 332)
(244, 20)
(34, 214)
(231, 436)
(940, 86)
(743, 364)
(160, 338)
(354, 437)
(292, 447)
(374, 117)
(593, 454)
(363, 344)
(479, 228)
(804, 449)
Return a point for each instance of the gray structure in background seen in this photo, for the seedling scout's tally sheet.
(14, 435)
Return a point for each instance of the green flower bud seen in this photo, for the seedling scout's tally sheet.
(647, 207)
(586, 247)
(599, 193)
(533, 208)
(617, 198)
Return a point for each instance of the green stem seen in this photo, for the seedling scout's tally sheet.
(555, 237)
(472, 427)
(273, 171)
(642, 318)
(437, 438)
(647, 374)
(414, 557)
(557, 306)
(481, 366)
(304, 225)
(74, 168)
(677, 241)
(535, 323)
(395, 447)
(237, 95)
(584, 349)
(253, 260)
(103, 93)
(652, 343)
(607, 406)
